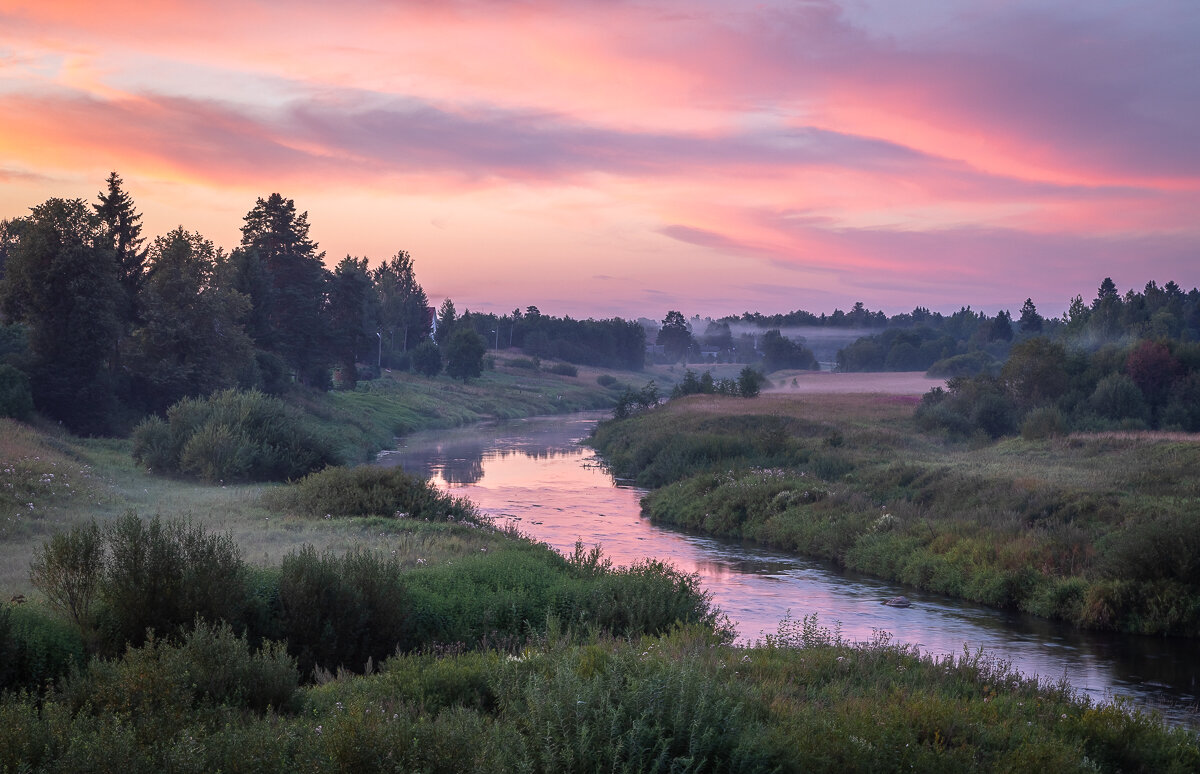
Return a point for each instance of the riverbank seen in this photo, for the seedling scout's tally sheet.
(51, 480)
(1101, 532)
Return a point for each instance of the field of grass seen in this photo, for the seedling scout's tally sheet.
(1102, 531)
(513, 658)
(50, 481)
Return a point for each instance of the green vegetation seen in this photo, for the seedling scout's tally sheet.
(445, 644)
(1100, 531)
(683, 701)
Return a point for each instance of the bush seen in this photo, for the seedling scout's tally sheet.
(370, 491)
(1044, 422)
(341, 611)
(1117, 397)
(157, 683)
(35, 649)
(524, 363)
(606, 380)
(233, 436)
(142, 575)
(564, 369)
(16, 397)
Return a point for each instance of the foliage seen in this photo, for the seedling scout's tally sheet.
(16, 399)
(62, 284)
(675, 336)
(291, 298)
(35, 648)
(606, 380)
(464, 354)
(563, 369)
(370, 491)
(780, 352)
(233, 436)
(427, 359)
(341, 611)
(190, 341)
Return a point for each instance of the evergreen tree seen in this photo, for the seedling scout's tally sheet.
(446, 321)
(296, 286)
(61, 281)
(1031, 321)
(191, 341)
(352, 312)
(121, 233)
(404, 315)
(674, 336)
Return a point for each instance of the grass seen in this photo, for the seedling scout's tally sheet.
(525, 660)
(1102, 531)
(683, 701)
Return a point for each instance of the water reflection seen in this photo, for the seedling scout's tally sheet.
(534, 474)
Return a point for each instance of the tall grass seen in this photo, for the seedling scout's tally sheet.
(1101, 532)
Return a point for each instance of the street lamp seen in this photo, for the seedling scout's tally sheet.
(379, 357)
(497, 332)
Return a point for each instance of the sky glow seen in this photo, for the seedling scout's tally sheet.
(600, 158)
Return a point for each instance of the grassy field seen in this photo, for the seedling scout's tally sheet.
(515, 658)
(50, 481)
(1102, 531)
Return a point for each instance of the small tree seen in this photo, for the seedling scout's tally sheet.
(68, 569)
(749, 382)
(427, 359)
(464, 354)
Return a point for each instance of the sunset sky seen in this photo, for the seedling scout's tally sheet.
(604, 157)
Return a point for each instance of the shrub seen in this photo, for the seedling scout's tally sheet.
(1117, 397)
(16, 397)
(233, 436)
(606, 380)
(341, 611)
(162, 575)
(35, 649)
(1044, 422)
(524, 363)
(564, 369)
(158, 683)
(370, 491)
(155, 574)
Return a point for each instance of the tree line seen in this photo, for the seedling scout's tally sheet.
(101, 325)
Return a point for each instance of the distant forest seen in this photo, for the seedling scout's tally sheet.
(101, 326)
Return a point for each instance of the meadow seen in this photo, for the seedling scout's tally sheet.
(1099, 530)
(356, 619)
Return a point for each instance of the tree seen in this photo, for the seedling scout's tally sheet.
(446, 319)
(403, 305)
(191, 341)
(121, 233)
(749, 382)
(352, 312)
(1036, 373)
(780, 352)
(464, 354)
(296, 282)
(1031, 321)
(1000, 329)
(427, 358)
(674, 336)
(62, 283)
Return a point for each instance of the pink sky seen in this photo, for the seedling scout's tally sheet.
(610, 157)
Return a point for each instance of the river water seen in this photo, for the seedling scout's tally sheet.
(535, 474)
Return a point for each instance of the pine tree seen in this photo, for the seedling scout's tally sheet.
(121, 233)
(296, 284)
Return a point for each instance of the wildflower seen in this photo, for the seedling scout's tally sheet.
(318, 730)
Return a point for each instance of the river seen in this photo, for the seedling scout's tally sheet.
(535, 474)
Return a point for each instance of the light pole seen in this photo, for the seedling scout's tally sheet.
(379, 357)
(497, 332)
